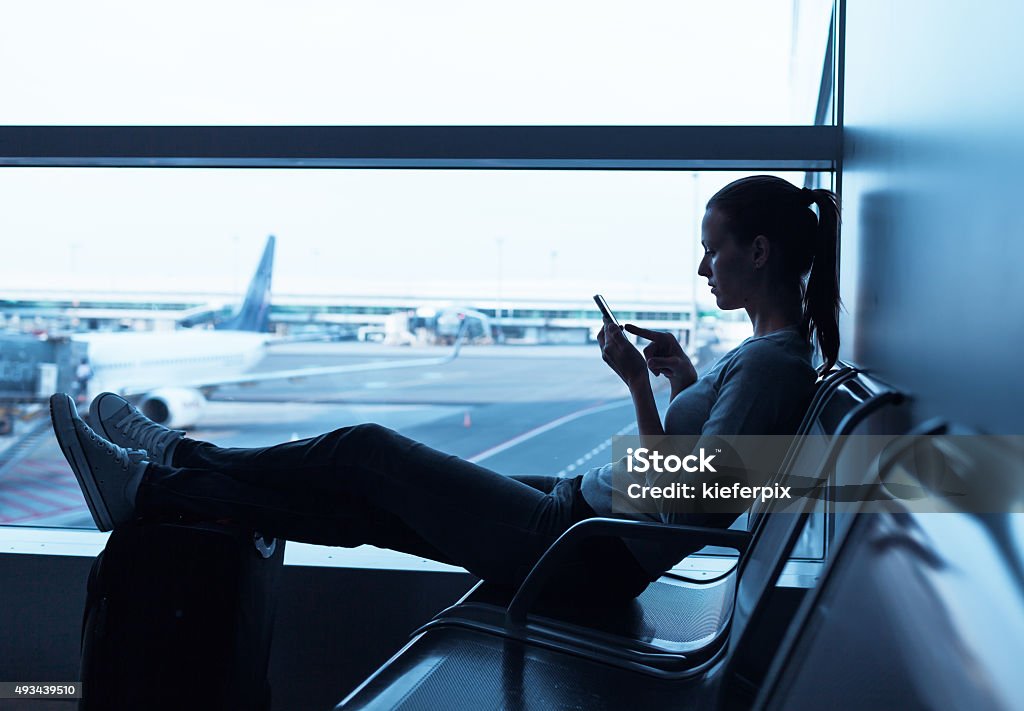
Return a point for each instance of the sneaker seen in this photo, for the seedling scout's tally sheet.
(109, 475)
(123, 424)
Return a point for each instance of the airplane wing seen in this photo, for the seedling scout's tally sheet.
(298, 373)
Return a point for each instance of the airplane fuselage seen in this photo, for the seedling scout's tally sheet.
(138, 362)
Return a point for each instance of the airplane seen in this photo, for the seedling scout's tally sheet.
(169, 374)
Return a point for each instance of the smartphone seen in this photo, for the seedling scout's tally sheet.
(605, 311)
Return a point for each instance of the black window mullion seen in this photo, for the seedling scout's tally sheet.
(488, 147)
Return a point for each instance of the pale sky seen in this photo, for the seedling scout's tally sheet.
(412, 62)
(723, 62)
(202, 230)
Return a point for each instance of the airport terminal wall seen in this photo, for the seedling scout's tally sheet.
(932, 235)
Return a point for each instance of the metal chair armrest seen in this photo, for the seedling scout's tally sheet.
(532, 586)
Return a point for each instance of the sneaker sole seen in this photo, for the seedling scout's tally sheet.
(60, 416)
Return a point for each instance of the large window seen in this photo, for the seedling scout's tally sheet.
(369, 266)
(147, 159)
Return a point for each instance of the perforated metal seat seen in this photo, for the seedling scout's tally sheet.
(455, 667)
(478, 655)
(460, 668)
(677, 625)
(670, 616)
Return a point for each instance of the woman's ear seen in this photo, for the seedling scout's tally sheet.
(760, 249)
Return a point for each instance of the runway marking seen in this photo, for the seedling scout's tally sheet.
(12, 504)
(58, 487)
(547, 427)
(45, 490)
(34, 496)
(43, 514)
(631, 427)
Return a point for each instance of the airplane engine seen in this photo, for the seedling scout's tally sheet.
(177, 408)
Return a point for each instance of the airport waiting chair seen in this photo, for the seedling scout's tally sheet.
(918, 610)
(469, 661)
(826, 394)
(677, 623)
(825, 385)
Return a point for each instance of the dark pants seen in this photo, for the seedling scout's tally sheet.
(368, 484)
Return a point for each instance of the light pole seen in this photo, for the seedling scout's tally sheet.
(500, 241)
(234, 264)
(693, 272)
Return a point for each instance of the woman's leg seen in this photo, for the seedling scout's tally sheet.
(274, 466)
(368, 484)
(307, 517)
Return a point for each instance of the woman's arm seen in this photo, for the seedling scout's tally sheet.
(630, 365)
(648, 419)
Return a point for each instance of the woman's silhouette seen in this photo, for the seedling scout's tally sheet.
(766, 251)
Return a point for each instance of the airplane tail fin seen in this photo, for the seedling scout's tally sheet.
(254, 315)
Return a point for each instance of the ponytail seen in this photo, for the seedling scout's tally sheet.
(809, 243)
(821, 295)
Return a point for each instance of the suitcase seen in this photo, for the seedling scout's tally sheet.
(180, 616)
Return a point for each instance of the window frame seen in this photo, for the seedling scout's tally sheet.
(766, 148)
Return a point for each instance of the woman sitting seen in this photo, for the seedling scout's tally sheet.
(366, 484)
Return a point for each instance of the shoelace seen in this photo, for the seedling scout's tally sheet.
(121, 455)
(151, 436)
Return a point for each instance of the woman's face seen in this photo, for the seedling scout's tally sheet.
(728, 267)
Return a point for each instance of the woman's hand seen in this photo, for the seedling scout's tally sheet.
(621, 355)
(666, 357)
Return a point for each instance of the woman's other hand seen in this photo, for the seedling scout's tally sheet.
(621, 355)
(666, 357)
